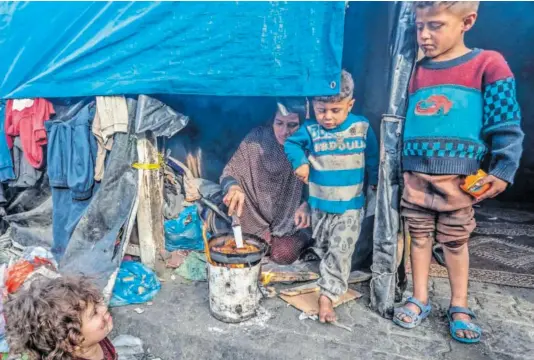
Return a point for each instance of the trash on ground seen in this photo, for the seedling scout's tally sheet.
(139, 310)
(314, 317)
(128, 347)
(24, 270)
(174, 259)
(194, 267)
(342, 326)
(268, 292)
(135, 284)
(33, 252)
(304, 316)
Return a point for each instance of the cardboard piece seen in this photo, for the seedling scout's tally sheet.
(309, 302)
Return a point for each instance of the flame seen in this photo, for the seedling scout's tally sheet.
(236, 266)
(266, 277)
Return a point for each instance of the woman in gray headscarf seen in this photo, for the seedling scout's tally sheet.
(261, 188)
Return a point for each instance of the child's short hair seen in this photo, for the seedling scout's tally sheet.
(458, 7)
(346, 90)
(45, 320)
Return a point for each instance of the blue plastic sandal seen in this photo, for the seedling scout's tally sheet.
(416, 318)
(456, 325)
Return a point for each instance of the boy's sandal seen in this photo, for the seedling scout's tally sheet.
(414, 317)
(455, 325)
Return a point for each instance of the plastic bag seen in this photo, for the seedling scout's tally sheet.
(32, 252)
(194, 267)
(135, 284)
(19, 272)
(184, 233)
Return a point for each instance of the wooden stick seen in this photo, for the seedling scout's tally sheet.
(288, 277)
(150, 213)
(299, 290)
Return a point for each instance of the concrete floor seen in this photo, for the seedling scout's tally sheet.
(178, 325)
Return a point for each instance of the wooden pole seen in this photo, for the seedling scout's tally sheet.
(150, 210)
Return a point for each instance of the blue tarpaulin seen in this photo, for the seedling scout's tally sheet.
(68, 49)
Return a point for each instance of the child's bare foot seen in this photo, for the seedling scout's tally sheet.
(326, 310)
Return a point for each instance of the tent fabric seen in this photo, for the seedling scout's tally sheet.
(96, 244)
(210, 48)
(387, 283)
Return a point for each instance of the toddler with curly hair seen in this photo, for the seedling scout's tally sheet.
(59, 319)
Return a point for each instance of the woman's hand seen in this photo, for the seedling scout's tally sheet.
(302, 216)
(235, 200)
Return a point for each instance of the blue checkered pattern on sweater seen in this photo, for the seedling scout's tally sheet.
(444, 148)
(500, 104)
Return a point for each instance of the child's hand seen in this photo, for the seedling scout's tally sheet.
(302, 216)
(303, 173)
(497, 187)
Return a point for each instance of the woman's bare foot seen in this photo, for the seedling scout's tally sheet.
(326, 310)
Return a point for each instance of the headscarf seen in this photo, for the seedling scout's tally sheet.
(272, 192)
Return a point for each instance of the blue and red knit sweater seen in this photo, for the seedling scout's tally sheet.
(459, 111)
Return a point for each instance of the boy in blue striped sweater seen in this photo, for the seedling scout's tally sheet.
(332, 154)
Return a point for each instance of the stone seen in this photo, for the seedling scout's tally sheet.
(511, 339)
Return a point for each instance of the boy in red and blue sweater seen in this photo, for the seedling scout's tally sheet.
(462, 108)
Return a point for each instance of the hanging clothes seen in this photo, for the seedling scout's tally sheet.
(71, 156)
(25, 174)
(70, 153)
(111, 117)
(26, 118)
(6, 163)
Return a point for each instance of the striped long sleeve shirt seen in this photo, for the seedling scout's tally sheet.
(339, 160)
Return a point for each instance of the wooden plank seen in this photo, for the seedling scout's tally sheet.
(129, 234)
(150, 210)
(270, 277)
(299, 290)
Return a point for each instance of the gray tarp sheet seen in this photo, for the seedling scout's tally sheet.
(96, 244)
(387, 282)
